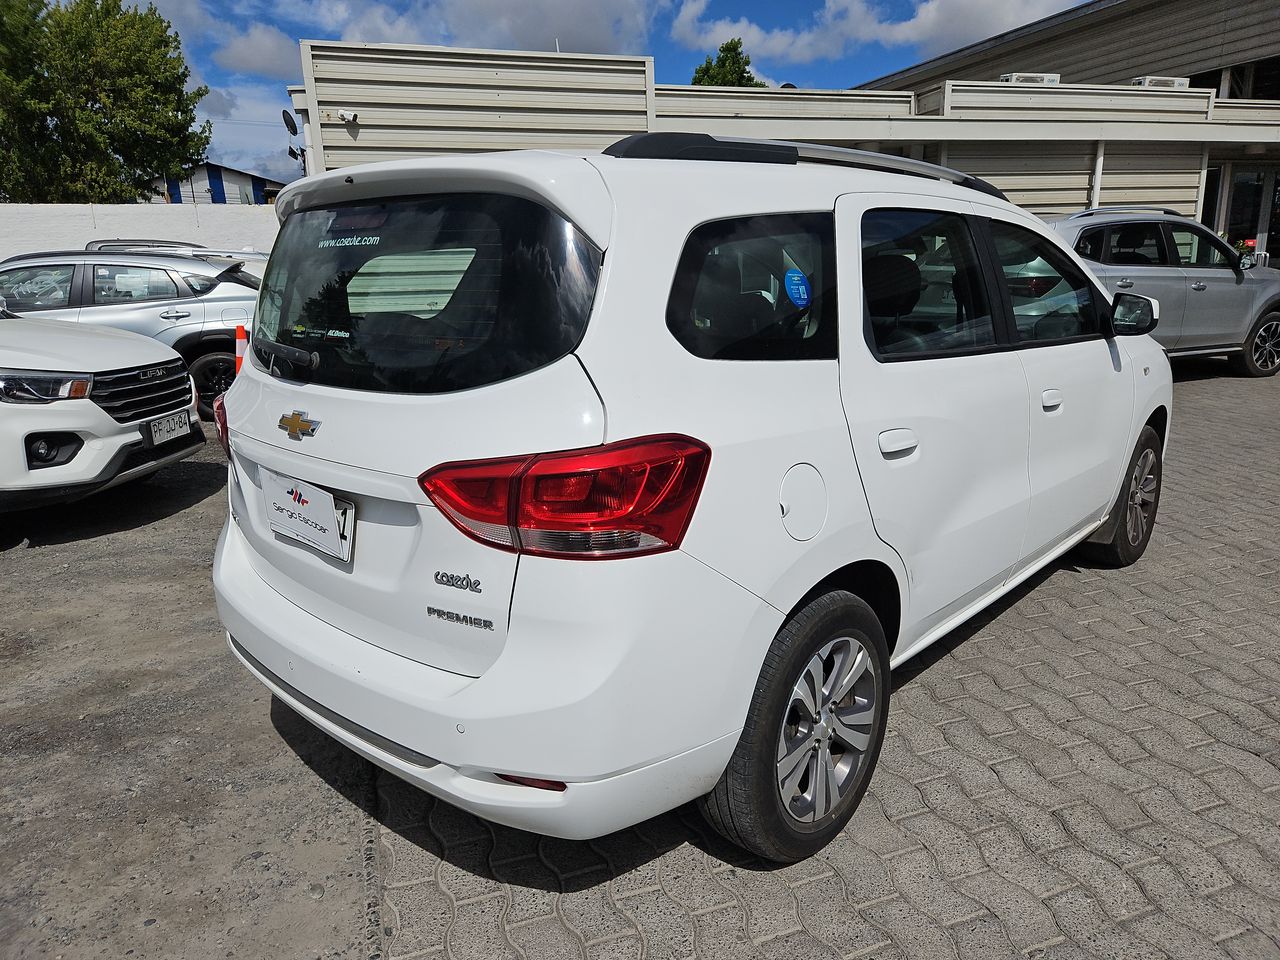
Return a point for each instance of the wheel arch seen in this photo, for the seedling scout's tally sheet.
(1159, 422)
(198, 344)
(875, 583)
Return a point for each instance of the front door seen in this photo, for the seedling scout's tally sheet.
(936, 406)
(1080, 391)
(1219, 296)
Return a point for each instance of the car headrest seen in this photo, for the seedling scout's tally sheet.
(892, 285)
(1131, 237)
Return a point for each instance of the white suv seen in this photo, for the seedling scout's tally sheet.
(573, 488)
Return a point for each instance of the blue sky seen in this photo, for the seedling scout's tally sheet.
(247, 50)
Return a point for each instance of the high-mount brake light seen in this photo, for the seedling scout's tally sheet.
(617, 500)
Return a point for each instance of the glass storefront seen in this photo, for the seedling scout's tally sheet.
(1251, 221)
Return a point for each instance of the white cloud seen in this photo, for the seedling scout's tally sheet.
(263, 51)
(252, 137)
(841, 26)
(219, 103)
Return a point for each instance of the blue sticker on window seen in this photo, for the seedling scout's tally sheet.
(797, 285)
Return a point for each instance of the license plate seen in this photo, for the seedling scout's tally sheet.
(169, 428)
(309, 514)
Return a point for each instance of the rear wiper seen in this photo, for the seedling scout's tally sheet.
(295, 356)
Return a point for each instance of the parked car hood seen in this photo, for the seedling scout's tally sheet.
(63, 345)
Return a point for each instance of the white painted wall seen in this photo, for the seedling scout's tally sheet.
(27, 227)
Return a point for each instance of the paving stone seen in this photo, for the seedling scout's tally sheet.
(914, 934)
(834, 921)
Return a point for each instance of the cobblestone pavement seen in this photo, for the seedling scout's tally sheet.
(1091, 769)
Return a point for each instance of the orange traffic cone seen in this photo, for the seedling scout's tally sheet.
(242, 342)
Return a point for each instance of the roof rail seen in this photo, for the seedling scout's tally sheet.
(1135, 208)
(702, 146)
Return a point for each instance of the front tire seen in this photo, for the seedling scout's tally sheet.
(1133, 516)
(213, 374)
(812, 734)
(1261, 354)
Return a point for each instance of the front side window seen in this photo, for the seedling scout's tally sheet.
(425, 295)
(37, 288)
(120, 284)
(923, 292)
(757, 288)
(1052, 299)
(1136, 244)
(1197, 249)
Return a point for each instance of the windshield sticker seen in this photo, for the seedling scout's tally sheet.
(350, 242)
(797, 285)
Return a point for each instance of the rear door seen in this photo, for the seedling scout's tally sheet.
(146, 300)
(429, 331)
(1219, 298)
(1080, 389)
(936, 404)
(1135, 258)
(47, 291)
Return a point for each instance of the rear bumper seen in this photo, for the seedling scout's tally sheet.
(636, 711)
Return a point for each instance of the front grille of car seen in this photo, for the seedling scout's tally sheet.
(139, 393)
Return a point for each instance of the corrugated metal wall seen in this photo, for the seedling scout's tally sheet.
(415, 101)
(1046, 178)
(705, 103)
(1140, 37)
(974, 100)
(1164, 174)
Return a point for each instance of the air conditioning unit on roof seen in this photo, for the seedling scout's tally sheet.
(1043, 78)
(1172, 83)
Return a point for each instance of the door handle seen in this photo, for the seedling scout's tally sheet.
(174, 315)
(1198, 285)
(1051, 399)
(898, 443)
(1124, 282)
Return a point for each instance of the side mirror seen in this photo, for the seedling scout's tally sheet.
(1132, 315)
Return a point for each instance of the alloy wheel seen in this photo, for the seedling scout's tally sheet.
(1266, 346)
(214, 379)
(1142, 497)
(827, 729)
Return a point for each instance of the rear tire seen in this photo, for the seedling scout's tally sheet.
(1261, 354)
(812, 734)
(213, 374)
(1134, 512)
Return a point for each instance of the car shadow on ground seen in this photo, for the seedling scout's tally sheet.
(1187, 369)
(485, 849)
(131, 505)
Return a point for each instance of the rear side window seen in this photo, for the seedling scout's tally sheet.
(121, 284)
(37, 288)
(1136, 244)
(1089, 245)
(757, 288)
(425, 295)
(922, 284)
(1051, 297)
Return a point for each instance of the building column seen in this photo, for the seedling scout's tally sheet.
(1095, 186)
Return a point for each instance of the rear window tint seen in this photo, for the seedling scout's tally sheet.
(426, 295)
(757, 288)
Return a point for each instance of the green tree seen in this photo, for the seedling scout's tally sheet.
(731, 68)
(94, 102)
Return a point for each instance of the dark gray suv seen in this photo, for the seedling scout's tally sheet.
(186, 302)
(1212, 300)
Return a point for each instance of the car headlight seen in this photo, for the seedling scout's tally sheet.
(39, 386)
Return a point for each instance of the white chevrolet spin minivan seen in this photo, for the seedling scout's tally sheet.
(574, 488)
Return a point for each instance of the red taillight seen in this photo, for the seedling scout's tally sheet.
(621, 499)
(220, 421)
(537, 782)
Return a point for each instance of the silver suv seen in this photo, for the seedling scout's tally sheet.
(186, 302)
(1212, 300)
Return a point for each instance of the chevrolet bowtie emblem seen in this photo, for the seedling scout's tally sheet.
(298, 426)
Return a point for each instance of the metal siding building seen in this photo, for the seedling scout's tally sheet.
(1053, 148)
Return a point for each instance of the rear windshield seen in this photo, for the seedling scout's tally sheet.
(425, 295)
